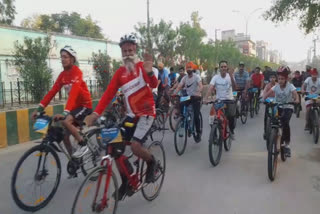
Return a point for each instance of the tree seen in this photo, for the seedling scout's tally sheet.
(308, 12)
(30, 59)
(101, 65)
(65, 22)
(7, 12)
(190, 38)
(163, 40)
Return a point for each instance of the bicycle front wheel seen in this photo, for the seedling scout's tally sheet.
(315, 126)
(180, 137)
(151, 191)
(244, 113)
(36, 178)
(273, 154)
(215, 145)
(90, 196)
(251, 108)
(173, 118)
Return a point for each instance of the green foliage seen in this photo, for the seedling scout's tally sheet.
(7, 11)
(65, 22)
(101, 65)
(308, 12)
(30, 58)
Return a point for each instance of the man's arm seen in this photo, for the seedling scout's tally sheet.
(54, 90)
(209, 92)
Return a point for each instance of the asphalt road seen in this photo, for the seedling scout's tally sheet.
(238, 185)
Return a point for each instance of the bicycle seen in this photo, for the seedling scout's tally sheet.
(174, 112)
(275, 144)
(267, 122)
(101, 194)
(253, 103)
(220, 131)
(158, 128)
(185, 126)
(27, 192)
(314, 116)
(298, 107)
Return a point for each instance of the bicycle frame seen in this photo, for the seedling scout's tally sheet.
(221, 119)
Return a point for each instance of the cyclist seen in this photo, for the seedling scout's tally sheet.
(79, 103)
(192, 86)
(311, 85)
(257, 79)
(269, 86)
(242, 80)
(134, 78)
(297, 80)
(164, 86)
(224, 84)
(172, 77)
(284, 92)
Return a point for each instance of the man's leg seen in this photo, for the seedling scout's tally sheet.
(67, 143)
(231, 116)
(286, 129)
(196, 111)
(307, 126)
(68, 124)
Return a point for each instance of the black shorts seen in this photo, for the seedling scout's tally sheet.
(81, 113)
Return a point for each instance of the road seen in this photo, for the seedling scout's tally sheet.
(238, 185)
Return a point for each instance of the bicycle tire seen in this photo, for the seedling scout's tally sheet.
(244, 114)
(251, 108)
(215, 140)
(41, 148)
(96, 172)
(257, 106)
(162, 169)
(298, 111)
(201, 127)
(172, 116)
(180, 125)
(268, 131)
(283, 154)
(273, 154)
(315, 125)
(227, 142)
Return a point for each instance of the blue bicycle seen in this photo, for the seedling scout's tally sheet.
(185, 126)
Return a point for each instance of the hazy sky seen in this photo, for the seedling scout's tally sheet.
(118, 17)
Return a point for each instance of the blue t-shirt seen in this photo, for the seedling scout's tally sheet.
(164, 74)
(241, 80)
(172, 76)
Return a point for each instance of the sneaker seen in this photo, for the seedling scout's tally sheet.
(150, 171)
(231, 136)
(287, 151)
(197, 138)
(81, 151)
(306, 128)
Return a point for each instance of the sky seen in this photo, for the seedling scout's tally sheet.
(118, 17)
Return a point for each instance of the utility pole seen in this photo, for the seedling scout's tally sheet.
(148, 23)
(315, 48)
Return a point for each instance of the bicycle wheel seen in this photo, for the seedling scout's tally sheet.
(89, 198)
(268, 131)
(298, 110)
(151, 191)
(158, 127)
(315, 126)
(257, 106)
(215, 144)
(173, 118)
(283, 154)
(227, 142)
(251, 108)
(38, 170)
(244, 113)
(273, 154)
(92, 158)
(180, 137)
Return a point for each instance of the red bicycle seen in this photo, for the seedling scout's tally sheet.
(220, 131)
(99, 191)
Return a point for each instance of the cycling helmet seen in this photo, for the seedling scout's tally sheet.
(284, 71)
(314, 71)
(128, 39)
(69, 49)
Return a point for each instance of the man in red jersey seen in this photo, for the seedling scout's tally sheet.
(135, 78)
(79, 103)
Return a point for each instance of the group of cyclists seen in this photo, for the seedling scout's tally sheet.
(145, 87)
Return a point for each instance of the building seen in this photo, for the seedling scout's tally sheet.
(228, 35)
(244, 43)
(262, 50)
(275, 56)
(82, 45)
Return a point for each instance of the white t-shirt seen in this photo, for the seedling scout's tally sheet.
(156, 73)
(284, 95)
(223, 87)
(312, 87)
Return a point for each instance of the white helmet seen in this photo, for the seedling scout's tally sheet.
(128, 39)
(69, 49)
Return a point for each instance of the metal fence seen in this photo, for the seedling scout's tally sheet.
(14, 94)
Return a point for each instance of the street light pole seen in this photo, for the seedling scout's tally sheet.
(247, 18)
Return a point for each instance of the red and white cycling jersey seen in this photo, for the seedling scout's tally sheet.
(134, 85)
(72, 81)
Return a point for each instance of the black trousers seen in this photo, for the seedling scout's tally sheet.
(285, 120)
(196, 104)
